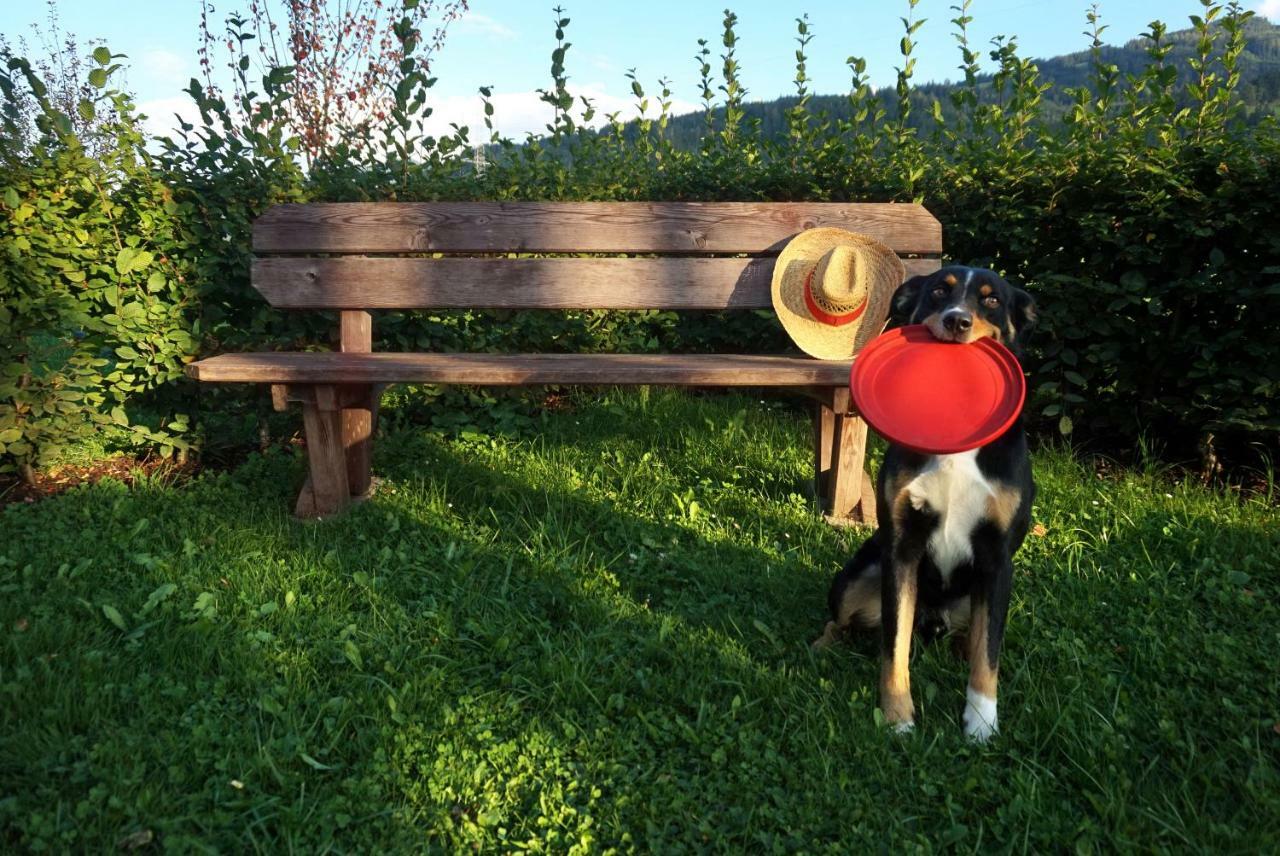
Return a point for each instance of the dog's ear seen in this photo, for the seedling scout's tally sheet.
(905, 299)
(1023, 314)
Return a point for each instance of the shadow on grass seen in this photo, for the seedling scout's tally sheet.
(519, 604)
(665, 564)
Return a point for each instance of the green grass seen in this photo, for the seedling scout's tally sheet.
(595, 635)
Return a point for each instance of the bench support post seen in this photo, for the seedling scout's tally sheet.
(327, 490)
(356, 337)
(845, 490)
(824, 423)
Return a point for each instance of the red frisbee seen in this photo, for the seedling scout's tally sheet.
(936, 397)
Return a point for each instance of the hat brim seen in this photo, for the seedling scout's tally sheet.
(798, 258)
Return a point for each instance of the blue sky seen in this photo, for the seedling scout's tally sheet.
(507, 44)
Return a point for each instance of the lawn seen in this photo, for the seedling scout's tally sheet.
(592, 634)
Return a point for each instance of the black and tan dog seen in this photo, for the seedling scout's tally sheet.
(942, 559)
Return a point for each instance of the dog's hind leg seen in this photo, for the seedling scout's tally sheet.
(854, 597)
(956, 618)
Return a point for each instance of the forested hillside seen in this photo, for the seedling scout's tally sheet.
(1259, 86)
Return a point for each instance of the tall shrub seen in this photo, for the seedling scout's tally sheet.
(95, 292)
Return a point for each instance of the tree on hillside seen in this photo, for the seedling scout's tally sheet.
(345, 55)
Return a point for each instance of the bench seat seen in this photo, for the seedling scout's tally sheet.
(522, 369)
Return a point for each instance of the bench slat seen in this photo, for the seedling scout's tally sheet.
(450, 283)
(581, 227)
(522, 369)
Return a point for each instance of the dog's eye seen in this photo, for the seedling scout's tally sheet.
(991, 302)
(940, 292)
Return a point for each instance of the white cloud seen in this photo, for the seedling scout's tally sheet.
(518, 113)
(515, 113)
(482, 25)
(1269, 9)
(161, 121)
(159, 64)
(600, 62)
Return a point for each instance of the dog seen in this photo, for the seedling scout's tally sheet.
(942, 558)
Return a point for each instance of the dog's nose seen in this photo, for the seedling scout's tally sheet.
(957, 321)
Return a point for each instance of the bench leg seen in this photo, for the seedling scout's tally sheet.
(840, 444)
(327, 491)
(867, 505)
(357, 442)
(824, 424)
(355, 336)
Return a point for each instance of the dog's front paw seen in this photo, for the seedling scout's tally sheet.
(899, 712)
(980, 721)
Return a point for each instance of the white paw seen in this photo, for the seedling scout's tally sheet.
(903, 727)
(980, 722)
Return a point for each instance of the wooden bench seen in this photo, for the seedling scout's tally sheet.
(360, 257)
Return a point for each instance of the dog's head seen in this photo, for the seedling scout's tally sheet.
(964, 304)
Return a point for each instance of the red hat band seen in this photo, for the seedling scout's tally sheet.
(824, 317)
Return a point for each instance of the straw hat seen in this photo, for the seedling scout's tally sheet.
(831, 290)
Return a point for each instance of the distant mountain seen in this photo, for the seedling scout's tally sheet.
(1259, 85)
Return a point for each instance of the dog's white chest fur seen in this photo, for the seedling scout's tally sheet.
(951, 486)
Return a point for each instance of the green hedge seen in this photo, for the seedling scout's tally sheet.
(96, 295)
(1144, 222)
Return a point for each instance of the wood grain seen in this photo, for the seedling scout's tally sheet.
(399, 283)
(522, 369)
(824, 421)
(356, 337)
(279, 397)
(327, 491)
(581, 227)
(867, 512)
(844, 498)
(847, 467)
(344, 396)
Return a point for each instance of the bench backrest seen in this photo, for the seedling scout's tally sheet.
(442, 255)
